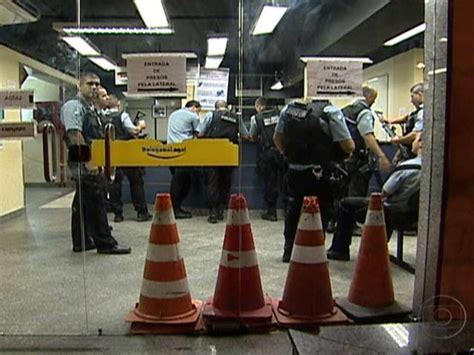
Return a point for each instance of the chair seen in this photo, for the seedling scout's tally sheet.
(404, 222)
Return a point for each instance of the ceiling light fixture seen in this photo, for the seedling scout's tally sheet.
(364, 60)
(216, 45)
(213, 62)
(268, 19)
(103, 62)
(405, 35)
(152, 13)
(277, 86)
(81, 45)
(118, 31)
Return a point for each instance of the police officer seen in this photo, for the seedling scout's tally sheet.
(183, 124)
(413, 120)
(360, 120)
(126, 130)
(221, 123)
(82, 125)
(310, 136)
(270, 163)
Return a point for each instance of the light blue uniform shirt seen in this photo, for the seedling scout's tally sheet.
(365, 119)
(337, 129)
(402, 184)
(419, 121)
(72, 114)
(181, 125)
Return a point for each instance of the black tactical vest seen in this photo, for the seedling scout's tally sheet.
(351, 113)
(266, 122)
(411, 120)
(410, 125)
(224, 124)
(305, 141)
(115, 118)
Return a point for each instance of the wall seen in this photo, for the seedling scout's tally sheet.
(11, 161)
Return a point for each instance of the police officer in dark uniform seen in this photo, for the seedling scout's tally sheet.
(270, 162)
(221, 123)
(82, 125)
(311, 136)
(126, 130)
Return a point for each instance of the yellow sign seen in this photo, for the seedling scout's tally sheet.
(148, 152)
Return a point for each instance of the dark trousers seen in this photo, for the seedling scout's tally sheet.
(270, 166)
(219, 181)
(137, 190)
(300, 184)
(352, 210)
(180, 184)
(96, 226)
(359, 184)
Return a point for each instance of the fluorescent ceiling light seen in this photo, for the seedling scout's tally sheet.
(277, 86)
(366, 60)
(118, 30)
(81, 45)
(152, 13)
(213, 62)
(268, 19)
(405, 35)
(216, 45)
(102, 62)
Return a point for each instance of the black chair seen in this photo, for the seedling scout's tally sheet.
(404, 222)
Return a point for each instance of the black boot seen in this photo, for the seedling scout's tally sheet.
(270, 215)
(220, 213)
(286, 255)
(212, 216)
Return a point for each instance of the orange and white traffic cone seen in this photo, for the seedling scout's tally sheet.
(165, 305)
(238, 303)
(371, 294)
(307, 298)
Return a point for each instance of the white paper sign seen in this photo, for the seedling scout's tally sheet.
(16, 99)
(156, 75)
(329, 79)
(212, 86)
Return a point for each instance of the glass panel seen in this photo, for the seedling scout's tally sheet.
(42, 279)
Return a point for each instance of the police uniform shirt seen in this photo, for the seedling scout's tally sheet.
(72, 115)
(206, 122)
(253, 131)
(402, 184)
(419, 121)
(336, 129)
(181, 125)
(365, 120)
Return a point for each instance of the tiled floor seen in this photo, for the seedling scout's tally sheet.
(47, 289)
